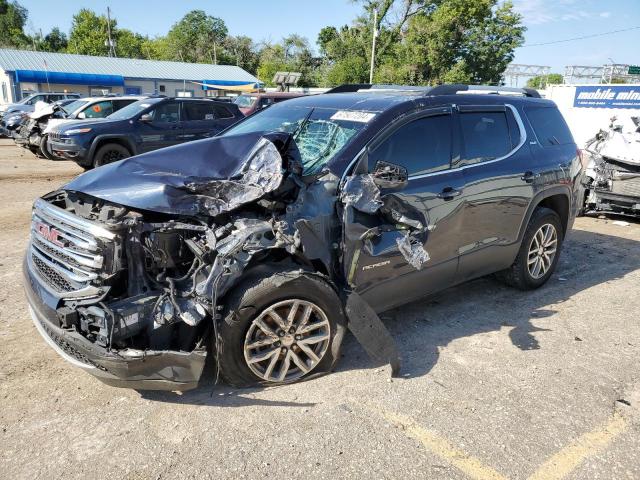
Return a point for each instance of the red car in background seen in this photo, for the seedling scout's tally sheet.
(249, 103)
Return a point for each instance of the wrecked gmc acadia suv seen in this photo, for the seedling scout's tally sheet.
(264, 244)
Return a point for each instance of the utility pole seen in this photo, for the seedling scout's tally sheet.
(373, 44)
(110, 43)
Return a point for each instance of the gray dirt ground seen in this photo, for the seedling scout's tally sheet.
(497, 383)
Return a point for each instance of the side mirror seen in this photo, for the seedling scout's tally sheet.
(147, 118)
(390, 175)
(82, 115)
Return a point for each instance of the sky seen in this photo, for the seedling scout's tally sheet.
(546, 20)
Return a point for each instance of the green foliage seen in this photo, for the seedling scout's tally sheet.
(242, 52)
(13, 18)
(542, 80)
(418, 42)
(469, 41)
(129, 44)
(197, 37)
(54, 41)
(89, 33)
(292, 54)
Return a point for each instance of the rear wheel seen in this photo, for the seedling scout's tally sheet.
(280, 328)
(109, 153)
(539, 252)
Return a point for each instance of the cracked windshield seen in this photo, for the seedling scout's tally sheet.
(317, 132)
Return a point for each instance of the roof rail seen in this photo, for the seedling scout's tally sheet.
(452, 89)
(445, 89)
(349, 88)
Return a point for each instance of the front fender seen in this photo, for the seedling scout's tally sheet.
(101, 139)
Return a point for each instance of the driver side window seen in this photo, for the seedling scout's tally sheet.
(421, 146)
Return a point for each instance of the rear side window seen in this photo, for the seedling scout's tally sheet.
(118, 104)
(196, 111)
(222, 111)
(421, 146)
(485, 136)
(549, 126)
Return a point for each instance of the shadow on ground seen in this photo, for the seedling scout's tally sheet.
(484, 305)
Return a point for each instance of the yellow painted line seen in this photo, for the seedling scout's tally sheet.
(437, 445)
(566, 460)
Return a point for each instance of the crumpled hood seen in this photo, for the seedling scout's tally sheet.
(204, 177)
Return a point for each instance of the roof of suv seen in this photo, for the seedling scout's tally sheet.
(124, 97)
(379, 101)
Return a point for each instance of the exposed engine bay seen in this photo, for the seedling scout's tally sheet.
(140, 266)
(613, 172)
(30, 134)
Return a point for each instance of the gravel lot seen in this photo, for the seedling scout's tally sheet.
(497, 383)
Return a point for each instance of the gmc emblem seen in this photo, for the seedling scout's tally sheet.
(49, 233)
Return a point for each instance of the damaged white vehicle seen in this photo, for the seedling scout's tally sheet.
(612, 176)
(260, 247)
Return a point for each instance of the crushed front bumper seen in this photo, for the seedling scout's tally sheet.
(607, 201)
(143, 370)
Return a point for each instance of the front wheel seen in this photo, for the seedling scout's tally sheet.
(280, 328)
(44, 148)
(109, 153)
(539, 252)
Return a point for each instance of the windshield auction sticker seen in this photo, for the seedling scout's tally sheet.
(351, 116)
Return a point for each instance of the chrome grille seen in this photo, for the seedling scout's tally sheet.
(629, 187)
(54, 135)
(67, 252)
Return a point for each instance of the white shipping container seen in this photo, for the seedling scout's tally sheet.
(589, 108)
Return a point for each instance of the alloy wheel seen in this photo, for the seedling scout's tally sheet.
(287, 340)
(542, 251)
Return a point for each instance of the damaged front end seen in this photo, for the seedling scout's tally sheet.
(31, 131)
(129, 265)
(612, 176)
(128, 291)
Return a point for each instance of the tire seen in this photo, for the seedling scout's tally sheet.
(520, 275)
(109, 153)
(273, 289)
(43, 149)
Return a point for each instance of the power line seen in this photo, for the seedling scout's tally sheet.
(581, 38)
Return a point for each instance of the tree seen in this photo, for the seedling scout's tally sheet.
(541, 81)
(129, 44)
(197, 37)
(13, 18)
(292, 54)
(426, 42)
(241, 51)
(89, 33)
(54, 41)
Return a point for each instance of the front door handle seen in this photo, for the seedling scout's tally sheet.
(529, 177)
(449, 192)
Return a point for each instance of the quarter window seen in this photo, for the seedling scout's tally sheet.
(485, 136)
(421, 146)
(196, 111)
(550, 127)
(222, 112)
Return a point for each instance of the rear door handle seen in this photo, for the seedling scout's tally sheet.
(449, 192)
(529, 177)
